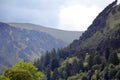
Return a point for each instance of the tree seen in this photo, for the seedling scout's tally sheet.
(80, 64)
(47, 59)
(54, 60)
(55, 75)
(14, 74)
(4, 78)
(97, 59)
(75, 67)
(54, 64)
(48, 73)
(23, 71)
(39, 63)
(90, 61)
(68, 69)
(113, 58)
(118, 75)
(107, 53)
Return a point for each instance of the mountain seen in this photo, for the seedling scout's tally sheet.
(17, 44)
(25, 42)
(66, 36)
(94, 56)
(106, 24)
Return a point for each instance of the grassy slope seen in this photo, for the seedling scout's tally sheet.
(112, 25)
(66, 36)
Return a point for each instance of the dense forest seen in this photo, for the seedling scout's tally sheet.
(95, 56)
(63, 65)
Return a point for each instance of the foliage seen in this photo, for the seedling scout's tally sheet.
(20, 74)
(92, 66)
(4, 78)
(113, 58)
(77, 76)
(24, 71)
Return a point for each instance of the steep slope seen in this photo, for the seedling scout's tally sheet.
(104, 26)
(95, 56)
(66, 36)
(22, 44)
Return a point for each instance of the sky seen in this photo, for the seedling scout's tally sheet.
(72, 15)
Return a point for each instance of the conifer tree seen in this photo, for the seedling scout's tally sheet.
(113, 58)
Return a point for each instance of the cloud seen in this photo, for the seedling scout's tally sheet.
(77, 17)
(62, 14)
(42, 12)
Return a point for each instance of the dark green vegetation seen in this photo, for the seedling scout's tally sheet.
(95, 56)
(22, 71)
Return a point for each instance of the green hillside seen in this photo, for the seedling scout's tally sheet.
(95, 56)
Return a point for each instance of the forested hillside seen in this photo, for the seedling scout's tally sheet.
(95, 56)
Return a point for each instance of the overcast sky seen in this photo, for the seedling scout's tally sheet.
(75, 15)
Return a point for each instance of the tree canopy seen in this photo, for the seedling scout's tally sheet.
(23, 71)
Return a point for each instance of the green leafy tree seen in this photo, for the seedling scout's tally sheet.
(4, 78)
(14, 74)
(24, 71)
(111, 71)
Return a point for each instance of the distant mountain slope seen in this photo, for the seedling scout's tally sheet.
(22, 44)
(66, 36)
